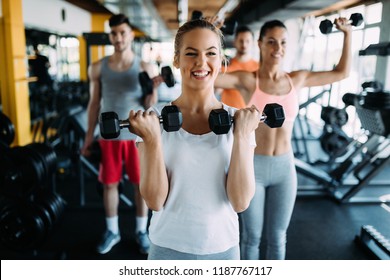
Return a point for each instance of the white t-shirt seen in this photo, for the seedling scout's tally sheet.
(197, 217)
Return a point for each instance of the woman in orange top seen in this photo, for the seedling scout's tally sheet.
(276, 179)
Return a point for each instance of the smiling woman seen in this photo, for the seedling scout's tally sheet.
(276, 187)
(195, 201)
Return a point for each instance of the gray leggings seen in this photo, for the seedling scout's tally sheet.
(271, 207)
(161, 253)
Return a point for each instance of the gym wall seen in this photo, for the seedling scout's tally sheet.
(58, 16)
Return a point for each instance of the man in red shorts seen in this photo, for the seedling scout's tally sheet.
(114, 87)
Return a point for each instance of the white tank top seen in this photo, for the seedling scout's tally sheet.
(197, 217)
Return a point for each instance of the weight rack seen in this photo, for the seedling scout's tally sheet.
(374, 241)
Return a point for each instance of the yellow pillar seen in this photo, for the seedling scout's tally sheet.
(83, 59)
(96, 52)
(98, 20)
(13, 71)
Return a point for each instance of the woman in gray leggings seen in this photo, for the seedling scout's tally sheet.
(276, 188)
(276, 179)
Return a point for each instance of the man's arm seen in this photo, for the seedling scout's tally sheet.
(239, 80)
(151, 98)
(93, 108)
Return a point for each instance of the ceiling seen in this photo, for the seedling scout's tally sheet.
(160, 19)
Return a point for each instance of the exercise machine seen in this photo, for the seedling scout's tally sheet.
(366, 160)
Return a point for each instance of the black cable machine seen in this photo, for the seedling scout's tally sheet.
(364, 161)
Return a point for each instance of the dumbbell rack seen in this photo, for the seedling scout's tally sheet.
(374, 241)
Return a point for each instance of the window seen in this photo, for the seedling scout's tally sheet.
(68, 56)
(322, 52)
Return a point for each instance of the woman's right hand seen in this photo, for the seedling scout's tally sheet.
(216, 21)
(145, 124)
(343, 24)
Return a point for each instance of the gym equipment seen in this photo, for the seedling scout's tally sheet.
(334, 140)
(365, 161)
(28, 210)
(377, 100)
(368, 154)
(302, 134)
(7, 130)
(228, 28)
(24, 168)
(315, 173)
(147, 83)
(110, 125)
(372, 86)
(374, 241)
(26, 223)
(196, 15)
(350, 99)
(334, 116)
(382, 49)
(373, 112)
(70, 127)
(220, 121)
(326, 25)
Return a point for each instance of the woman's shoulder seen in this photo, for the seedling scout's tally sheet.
(231, 110)
(298, 74)
(298, 77)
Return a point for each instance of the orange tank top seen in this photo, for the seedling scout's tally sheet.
(289, 101)
(232, 97)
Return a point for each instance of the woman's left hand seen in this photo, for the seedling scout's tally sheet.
(246, 120)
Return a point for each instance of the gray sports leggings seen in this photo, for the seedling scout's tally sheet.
(161, 253)
(271, 207)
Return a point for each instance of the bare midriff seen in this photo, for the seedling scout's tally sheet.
(273, 141)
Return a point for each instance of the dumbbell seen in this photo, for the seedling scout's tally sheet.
(110, 125)
(147, 83)
(228, 28)
(23, 168)
(326, 25)
(220, 121)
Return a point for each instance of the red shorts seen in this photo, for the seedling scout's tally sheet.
(114, 154)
